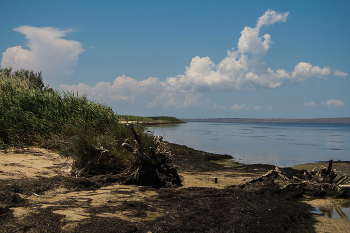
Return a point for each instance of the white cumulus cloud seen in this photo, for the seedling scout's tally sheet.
(146, 93)
(304, 70)
(270, 17)
(333, 103)
(242, 69)
(340, 73)
(250, 42)
(244, 107)
(216, 106)
(310, 104)
(48, 52)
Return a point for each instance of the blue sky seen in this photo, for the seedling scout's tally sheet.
(189, 59)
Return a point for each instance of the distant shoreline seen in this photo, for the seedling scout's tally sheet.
(338, 120)
(152, 122)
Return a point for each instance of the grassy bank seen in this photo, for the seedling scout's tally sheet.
(32, 114)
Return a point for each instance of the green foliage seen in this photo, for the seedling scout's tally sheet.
(81, 139)
(23, 79)
(29, 111)
(32, 114)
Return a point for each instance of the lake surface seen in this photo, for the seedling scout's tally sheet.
(280, 144)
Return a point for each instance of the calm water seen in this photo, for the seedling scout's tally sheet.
(334, 211)
(280, 144)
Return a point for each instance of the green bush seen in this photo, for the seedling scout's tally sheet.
(32, 114)
(29, 110)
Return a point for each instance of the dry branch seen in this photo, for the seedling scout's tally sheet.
(154, 170)
(137, 137)
(341, 179)
(97, 153)
(322, 180)
(138, 153)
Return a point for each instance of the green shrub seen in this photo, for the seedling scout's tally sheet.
(28, 110)
(32, 114)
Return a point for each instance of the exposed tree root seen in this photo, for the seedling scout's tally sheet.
(318, 183)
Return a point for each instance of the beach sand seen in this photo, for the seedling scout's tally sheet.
(39, 194)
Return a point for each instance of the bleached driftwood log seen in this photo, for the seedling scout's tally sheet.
(322, 180)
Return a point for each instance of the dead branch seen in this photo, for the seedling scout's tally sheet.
(341, 179)
(160, 174)
(97, 153)
(322, 180)
(138, 153)
(137, 137)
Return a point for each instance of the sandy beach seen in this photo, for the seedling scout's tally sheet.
(39, 194)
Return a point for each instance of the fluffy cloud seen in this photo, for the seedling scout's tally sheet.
(216, 106)
(310, 104)
(304, 71)
(333, 103)
(242, 69)
(250, 42)
(48, 52)
(122, 89)
(146, 93)
(340, 73)
(270, 17)
(244, 107)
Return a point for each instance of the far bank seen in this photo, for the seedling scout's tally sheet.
(336, 120)
(123, 119)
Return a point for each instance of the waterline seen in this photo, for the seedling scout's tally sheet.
(280, 144)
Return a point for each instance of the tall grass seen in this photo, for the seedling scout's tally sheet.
(28, 111)
(32, 114)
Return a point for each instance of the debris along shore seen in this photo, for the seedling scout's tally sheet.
(42, 201)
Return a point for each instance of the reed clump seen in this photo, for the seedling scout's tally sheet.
(34, 114)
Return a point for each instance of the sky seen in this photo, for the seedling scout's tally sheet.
(188, 59)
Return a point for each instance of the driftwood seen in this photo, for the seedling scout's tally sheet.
(97, 153)
(143, 157)
(320, 182)
(324, 175)
(150, 171)
(136, 151)
(272, 174)
(154, 169)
